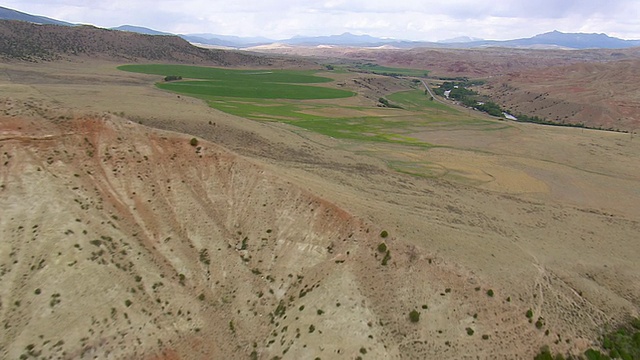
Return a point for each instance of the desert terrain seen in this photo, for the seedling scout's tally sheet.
(123, 238)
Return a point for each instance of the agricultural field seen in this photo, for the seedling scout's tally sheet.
(259, 84)
(279, 96)
(391, 71)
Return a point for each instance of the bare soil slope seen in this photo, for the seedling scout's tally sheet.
(137, 244)
(125, 240)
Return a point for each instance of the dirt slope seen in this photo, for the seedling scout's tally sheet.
(123, 241)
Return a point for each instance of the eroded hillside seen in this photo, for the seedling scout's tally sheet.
(123, 241)
(599, 95)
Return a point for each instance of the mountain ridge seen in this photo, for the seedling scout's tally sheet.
(10, 14)
(140, 30)
(553, 39)
(25, 41)
(568, 40)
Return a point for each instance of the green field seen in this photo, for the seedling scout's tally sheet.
(256, 84)
(285, 96)
(391, 71)
(416, 100)
(231, 75)
(254, 90)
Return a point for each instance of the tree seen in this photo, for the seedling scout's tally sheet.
(414, 316)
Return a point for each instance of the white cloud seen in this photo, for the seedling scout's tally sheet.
(407, 19)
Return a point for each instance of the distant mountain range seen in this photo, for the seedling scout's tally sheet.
(554, 39)
(563, 40)
(140, 30)
(344, 39)
(460, 39)
(226, 40)
(10, 14)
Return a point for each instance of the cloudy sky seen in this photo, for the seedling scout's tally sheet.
(400, 19)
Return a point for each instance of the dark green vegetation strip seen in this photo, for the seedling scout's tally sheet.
(233, 75)
(391, 71)
(258, 84)
(255, 90)
(623, 343)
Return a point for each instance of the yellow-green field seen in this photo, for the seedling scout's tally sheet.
(277, 95)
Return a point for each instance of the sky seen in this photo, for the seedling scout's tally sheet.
(424, 20)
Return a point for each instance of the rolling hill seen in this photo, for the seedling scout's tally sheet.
(26, 41)
(599, 95)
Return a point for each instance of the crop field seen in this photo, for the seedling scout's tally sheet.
(288, 97)
(256, 84)
(229, 75)
(263, 90)
(385, 70)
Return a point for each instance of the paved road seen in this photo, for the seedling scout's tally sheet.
(430, 92)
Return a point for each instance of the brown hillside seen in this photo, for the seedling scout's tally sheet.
(602, 95)
(474, 63)
(483, 63)
(31, 42)
(122, 241)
